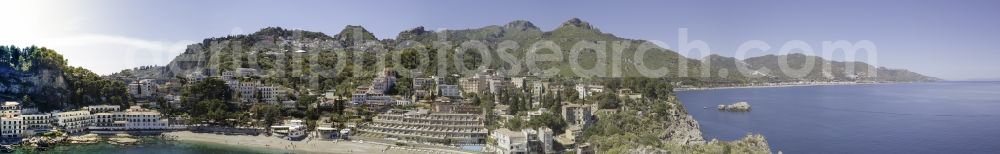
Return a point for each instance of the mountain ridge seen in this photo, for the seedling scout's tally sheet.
(523, 32)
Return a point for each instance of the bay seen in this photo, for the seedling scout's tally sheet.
(939, 117)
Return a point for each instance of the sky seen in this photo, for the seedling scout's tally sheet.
(955, 40)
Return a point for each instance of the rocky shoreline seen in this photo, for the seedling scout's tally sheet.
(42, 143)
(735, 107)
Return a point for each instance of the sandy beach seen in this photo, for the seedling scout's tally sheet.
(307, 145)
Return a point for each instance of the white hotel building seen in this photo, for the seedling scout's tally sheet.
(134, 118)
(102, 108)
(74, 121)
(14, 124)
(11, 127)
(36, 123)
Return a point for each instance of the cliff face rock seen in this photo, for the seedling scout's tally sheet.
(412, 33)
(752, 144)
(681, 127)
(351, 35)
(576, 22)
(521, 25)
(41, 78)
(675, 130)
(683, 130)
(46, 78)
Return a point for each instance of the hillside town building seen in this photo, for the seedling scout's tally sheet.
(521, 142)
(143, 89)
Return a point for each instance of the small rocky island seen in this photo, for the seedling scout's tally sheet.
(735, 107)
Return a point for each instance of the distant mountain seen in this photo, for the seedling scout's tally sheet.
(272, 46)
(981, 79)
(836, 71)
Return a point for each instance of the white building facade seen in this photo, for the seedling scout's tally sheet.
(74, 121)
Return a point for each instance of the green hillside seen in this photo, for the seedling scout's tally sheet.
(40, 77)
(298, 56)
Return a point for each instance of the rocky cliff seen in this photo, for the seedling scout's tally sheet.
(39, 77)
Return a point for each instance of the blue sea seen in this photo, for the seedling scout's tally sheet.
(153, 147)
(939, 117)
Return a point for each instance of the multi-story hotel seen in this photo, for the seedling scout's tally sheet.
(11, 127)
(360, 95)
(11, 109)
(250, 92)
(102, 108)
(19, 122)
(447, 128)
(37, 123)
(138, 118)
(11, 124)
(268, 94)
(73, 121)
(134, 118)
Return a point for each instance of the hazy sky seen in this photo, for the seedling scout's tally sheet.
(948, 39)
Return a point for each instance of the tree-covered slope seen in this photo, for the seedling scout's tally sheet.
(827, 70)
(40, 77)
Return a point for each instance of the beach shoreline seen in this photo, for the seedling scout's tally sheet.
(309, 145)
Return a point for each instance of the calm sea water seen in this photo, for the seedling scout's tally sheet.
(153, 147)
(942, 117)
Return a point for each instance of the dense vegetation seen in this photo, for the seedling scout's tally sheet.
(40, 77)
(657, 123)
(208, 100)
(211, 101)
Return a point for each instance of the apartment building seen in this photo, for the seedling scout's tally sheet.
(522, 142)
(474, 84)
(383, 83)
(145, 88)
(449, 91)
